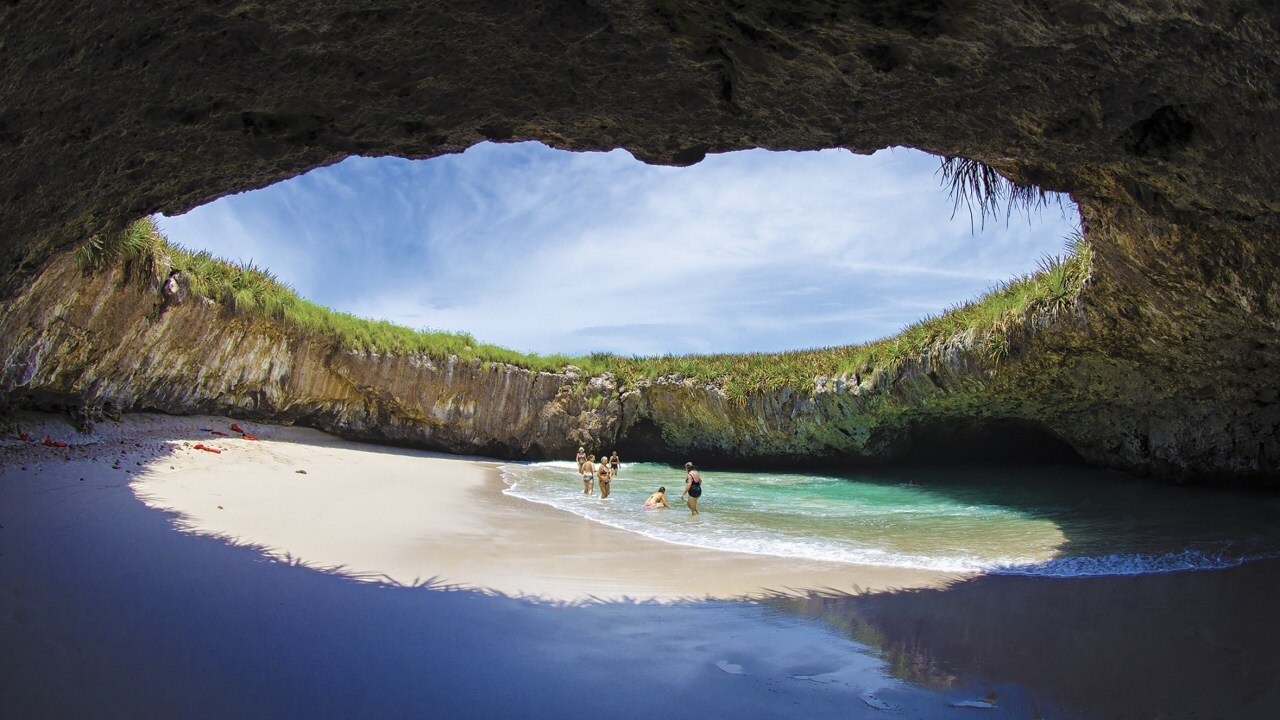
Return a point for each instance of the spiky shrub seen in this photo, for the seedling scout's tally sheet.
(140, 246)
(979, 187)
(990, 319)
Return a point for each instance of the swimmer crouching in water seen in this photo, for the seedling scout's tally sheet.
(658, 500)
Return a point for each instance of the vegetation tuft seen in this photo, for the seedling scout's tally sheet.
(980, 187)
(247, 290)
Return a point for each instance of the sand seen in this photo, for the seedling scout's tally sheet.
(142, 577)
(125, 592)
(409, 517)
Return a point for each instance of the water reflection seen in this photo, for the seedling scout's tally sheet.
(1196, 644)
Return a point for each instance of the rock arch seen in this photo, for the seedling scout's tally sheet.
(1160, 118)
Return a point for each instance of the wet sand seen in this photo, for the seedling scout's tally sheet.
(107, 610)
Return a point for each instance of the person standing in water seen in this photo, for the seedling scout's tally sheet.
(587, 468)
(614, 465)
(692, 487)
(582, 457)
(605, 477)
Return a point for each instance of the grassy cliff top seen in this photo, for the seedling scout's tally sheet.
(253, 292)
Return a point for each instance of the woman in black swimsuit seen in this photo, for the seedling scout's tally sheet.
(692, 487)
(605, 477)
(613, 463)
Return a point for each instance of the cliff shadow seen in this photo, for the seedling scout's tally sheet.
(1110, 520)
(1186, 644)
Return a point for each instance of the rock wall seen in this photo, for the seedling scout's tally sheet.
(111, 112)
(111, 341)
(108, 342)
(1160, 117)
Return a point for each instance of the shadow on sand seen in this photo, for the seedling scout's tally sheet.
(107, 611)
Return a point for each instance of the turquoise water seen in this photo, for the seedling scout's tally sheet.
(1054, 521)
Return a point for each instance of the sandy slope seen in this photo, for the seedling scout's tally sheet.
(409, 517)
(107, 611)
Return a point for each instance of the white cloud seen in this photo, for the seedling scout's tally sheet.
(555, 252)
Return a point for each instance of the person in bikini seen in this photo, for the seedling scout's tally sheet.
(658, 500)
(605, 477)
(692, 487)
(614, 465)
(587, 468)
(582, 457)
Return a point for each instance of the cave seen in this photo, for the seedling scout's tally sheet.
(1161, 122)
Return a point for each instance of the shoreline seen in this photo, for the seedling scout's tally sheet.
(407, 517)
(111, 611)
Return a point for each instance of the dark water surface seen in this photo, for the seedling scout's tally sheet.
(1202, 644)
(108, 611)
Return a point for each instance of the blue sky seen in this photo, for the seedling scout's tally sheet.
(549, 251)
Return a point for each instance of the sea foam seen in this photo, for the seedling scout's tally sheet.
(835, 520)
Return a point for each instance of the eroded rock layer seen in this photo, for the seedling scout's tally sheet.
(1160, 117)
(99, 343)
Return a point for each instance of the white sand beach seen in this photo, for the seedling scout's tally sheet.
(141, 577)
(409, 517)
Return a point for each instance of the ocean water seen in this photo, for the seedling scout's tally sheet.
(1027, 520)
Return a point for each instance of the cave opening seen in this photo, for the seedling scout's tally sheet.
(981, 442)
(549, 251)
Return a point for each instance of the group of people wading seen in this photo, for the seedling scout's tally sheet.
(608, 469)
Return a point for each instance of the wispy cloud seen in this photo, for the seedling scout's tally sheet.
(549, 251)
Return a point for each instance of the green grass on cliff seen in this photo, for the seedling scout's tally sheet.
(247, 290)
(984, 324)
